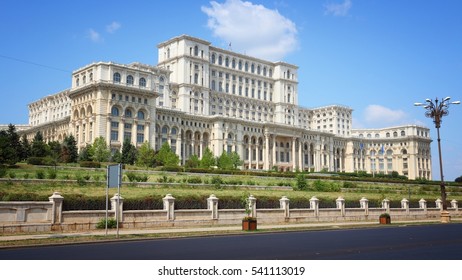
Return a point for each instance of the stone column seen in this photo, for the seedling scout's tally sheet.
(364, 204)
(266, 152)
(405, 205)
(56, 213)
(178, 147)
(169, 205)
(340, 202)
(118, 210)
(108, 133)
(455, 205)
(386, 205)
(250, 154)
(274, 152)
(314, 204)
(300, 156)
(253, 206)
(284, 203)
(212, 204)
(294, 158)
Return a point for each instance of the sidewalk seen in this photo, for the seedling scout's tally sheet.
(218, 229)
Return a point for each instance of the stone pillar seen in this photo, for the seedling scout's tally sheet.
(423, 204)
(364, 204)
(284, 202)
(439, 204)
(57, 210)
(405, 205)
(169, 205)
(274, 152)
(340, 202)
(386, 205)
(212, 204)
(455, 205)
(314, 204)
(253, 206)
(119, 210)
(250, 155)
(178, 147)
(266, 153)
(300, 156)
(294, 158)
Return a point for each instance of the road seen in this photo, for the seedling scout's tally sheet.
(432, 242)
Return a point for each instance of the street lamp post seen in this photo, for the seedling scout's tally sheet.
(436, 110)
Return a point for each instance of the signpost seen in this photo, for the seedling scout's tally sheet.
(114, 180)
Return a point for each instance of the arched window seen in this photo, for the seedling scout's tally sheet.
(115, 111)
(142, 82)
(116, 77)
(227, 62)
(129, 80)
(84, 79)
(128, 113)
(140, 115)
(173, 131)
(252, 68)
(233, 64)
(388, 135)
(240, 65)
(403, 133)
(220, 60)
(264, 71)
(213, 58)
(196, 51)
(164, 130)
(258, 70)
(77, 82)
(213, 85)
(246, 67)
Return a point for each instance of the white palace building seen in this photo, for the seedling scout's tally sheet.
(202, 96)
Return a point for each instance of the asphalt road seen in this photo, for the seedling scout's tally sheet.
(428, 242)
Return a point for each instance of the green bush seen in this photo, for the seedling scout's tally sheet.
(39, 174)
(195, 180)
(133, 177)
(111, 223)
(11, 174)
(52, 173)
(301, 183)
(2, 171)
(41, 161)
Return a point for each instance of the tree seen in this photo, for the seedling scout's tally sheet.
(128, 152)
(208, 160)
(100, 150)
(116, 156)
(69, 149)
(193, 162)
(146, 156)
(10, 146)
(55, 150)
(25, 148)
(39, 148)
(224, 161)
(235, 160)
(459, 179)
(166, 156)
(301, 183)
(86, 154)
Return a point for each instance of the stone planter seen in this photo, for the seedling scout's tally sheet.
(249, 224)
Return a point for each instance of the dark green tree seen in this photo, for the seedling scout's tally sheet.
(69, 151)
(25, 148)
(208, 160)
(458, 179)
(86, 153)
(235, 159)
(55, 150)
(116, 156)
(166, 156)
(129, 152)
(39, 148)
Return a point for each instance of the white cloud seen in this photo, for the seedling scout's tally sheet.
(113, 27)
(378, 116)
(252, 29)
(338, 10)
(94, 36)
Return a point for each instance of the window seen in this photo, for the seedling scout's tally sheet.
(140, 115)
(115, 111)
(220, 60)
(142, 82)
(196, 51)
(128, 113)
(116, 77)
(213, 58)
(130, 80)
(139, 137)
(77, 82)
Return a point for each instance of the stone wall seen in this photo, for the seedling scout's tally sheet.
(48, 216)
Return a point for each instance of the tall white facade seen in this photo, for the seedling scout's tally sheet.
(202, 96)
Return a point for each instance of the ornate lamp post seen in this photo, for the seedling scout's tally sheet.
(436, 110)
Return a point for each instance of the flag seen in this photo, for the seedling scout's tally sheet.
(361, 146)
(382, 150)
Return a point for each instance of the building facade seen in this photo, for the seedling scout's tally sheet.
(201, 96)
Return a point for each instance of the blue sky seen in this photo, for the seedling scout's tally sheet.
(375, 56)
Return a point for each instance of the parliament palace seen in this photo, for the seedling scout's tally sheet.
(200, 96)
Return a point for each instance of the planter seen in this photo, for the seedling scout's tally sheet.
(249, 224)
(385, 220)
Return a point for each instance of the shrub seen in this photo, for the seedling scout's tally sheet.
(90, 164)
(39, 174)
(11, 174)
(2, 171)
(111, 223)
(195, 180)
(41, 161)
(52, 173)
(133, 177)
(301, 183)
